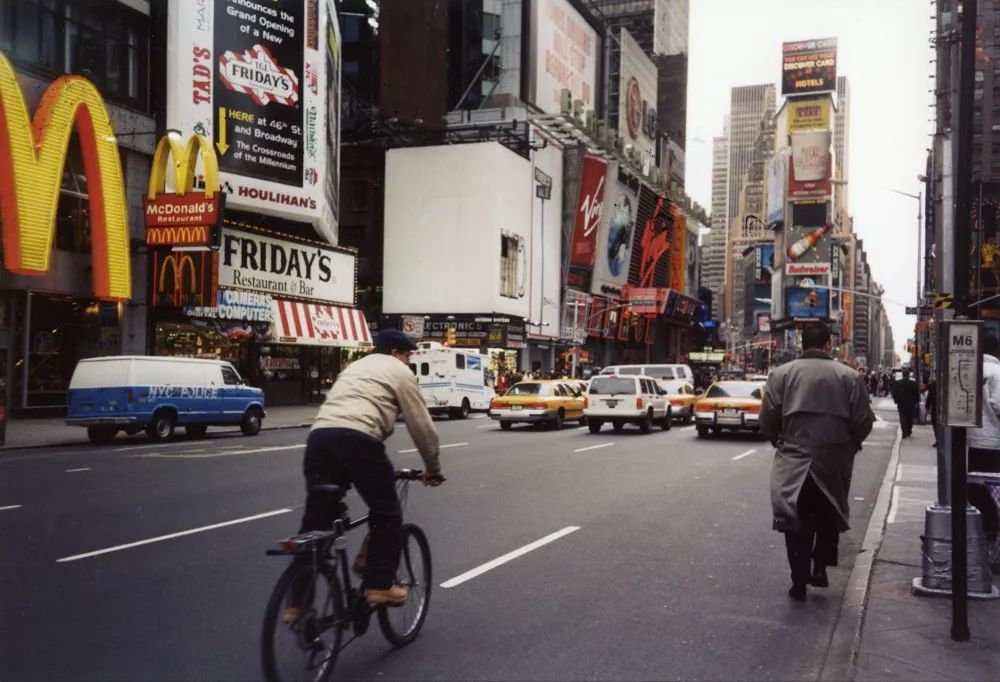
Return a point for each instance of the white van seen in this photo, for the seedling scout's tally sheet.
(452, 380)
(132, 393)
(658, 372)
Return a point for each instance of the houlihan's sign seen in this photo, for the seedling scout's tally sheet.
(289, 269)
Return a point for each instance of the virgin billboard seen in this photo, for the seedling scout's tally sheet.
(589, 208)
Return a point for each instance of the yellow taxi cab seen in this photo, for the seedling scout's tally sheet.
(682, 398)
(550, 401)
(733, 405)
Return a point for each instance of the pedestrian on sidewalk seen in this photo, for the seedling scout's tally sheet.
(817, 413)
(932, 407)
(906, 395)
(984, 443)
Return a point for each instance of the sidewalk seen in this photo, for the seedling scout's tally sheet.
(33, 433)
(904, 636)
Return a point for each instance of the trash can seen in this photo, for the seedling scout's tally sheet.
(937, 551)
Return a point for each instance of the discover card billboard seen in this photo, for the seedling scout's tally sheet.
(252, 75)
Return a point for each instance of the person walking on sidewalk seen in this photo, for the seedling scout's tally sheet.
(906, 395)
(816, 412)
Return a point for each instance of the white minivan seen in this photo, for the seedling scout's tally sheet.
(662, 372)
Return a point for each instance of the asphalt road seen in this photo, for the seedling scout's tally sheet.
(673, 571)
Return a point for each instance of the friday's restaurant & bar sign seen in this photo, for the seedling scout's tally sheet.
(32, 156)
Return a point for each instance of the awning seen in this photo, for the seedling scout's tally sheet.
(315, 324)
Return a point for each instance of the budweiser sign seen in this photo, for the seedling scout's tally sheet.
(179, 210)
(807, 269)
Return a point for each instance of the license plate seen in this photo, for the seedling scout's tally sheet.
(515, 407)
(610, 403)
(731, 411)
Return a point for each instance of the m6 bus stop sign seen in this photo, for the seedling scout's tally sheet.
(963, 373)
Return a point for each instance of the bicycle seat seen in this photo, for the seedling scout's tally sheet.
(335, 492)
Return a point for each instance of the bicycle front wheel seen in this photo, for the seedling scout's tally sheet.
(303, 625)
(400, 624)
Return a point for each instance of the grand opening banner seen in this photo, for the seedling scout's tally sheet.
(248, 75)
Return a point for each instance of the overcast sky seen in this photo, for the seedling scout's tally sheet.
(883, 48)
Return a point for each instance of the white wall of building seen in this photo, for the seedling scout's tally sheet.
(546, 249)
(670, 31)
(446, 209)
(637, 101)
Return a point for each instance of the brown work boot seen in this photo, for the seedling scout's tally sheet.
(394, 596)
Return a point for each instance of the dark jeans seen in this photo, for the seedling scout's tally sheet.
(346, 457)
(818, 535)
(906, 415)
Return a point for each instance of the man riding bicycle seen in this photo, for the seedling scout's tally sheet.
(345, 447)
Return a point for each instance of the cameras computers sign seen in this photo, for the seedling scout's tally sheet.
(247, 74)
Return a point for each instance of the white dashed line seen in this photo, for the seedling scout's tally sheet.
(594, 447)
(70, 471)
(11, 506)
(687, 428)
(510, 556)
(450, 445)
(171, 536)
(201, 454)
(744, 454)
(488, 426)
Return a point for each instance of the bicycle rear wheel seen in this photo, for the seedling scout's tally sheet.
(400, 624)
(307, 648)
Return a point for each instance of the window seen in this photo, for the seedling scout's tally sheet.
(103, 41)
(230, 377)
(511, 252)
(526, 388)
(612, 386)
(425, 369)
(459, 361)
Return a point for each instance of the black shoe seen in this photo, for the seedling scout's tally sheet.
(819, 577)
(797, 591)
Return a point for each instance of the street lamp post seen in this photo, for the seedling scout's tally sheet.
(920, 203)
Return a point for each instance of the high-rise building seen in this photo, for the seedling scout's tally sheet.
(841, 139)
(659, 26)
(749, 105)
(713, 267)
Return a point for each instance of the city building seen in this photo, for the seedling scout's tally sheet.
(659, 26)
(714, 244)
(841, 148)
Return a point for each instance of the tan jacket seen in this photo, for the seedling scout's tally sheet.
(368, 396)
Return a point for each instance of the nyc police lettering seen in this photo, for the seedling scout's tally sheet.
(182, 392)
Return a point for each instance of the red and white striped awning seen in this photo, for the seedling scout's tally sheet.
(315, 324)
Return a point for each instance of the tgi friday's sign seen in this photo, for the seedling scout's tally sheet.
(285, 268)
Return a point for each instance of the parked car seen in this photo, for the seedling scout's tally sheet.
(157, 394)
(732, 405)
(682, 397)
(628, 399)
(658, 372)
(549, 402)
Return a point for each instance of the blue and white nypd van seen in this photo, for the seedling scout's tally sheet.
(156, 394)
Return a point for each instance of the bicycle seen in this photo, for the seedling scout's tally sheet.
(327, 611)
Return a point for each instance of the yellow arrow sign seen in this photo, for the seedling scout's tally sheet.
(221, 144)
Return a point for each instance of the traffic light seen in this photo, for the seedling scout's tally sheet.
(451, 336)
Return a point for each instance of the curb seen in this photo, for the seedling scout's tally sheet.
(66, 444)
(840, 661)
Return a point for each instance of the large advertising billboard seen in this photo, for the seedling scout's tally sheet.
(637, 101)
(564, 50)
(807, 300)
(614, 240)
(777, 188)
(809, 114)
(810, 165)
(809, 66)
(587, 221)
(650, 266)
(254, 77)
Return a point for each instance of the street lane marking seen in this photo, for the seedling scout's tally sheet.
(687, 428)
(171, 536)
(70, 471)
(744, 454)
(488, 426)
(442, 447)
(594, 447)
(510, 556)
(147, 447)
(11, 506)
(197, 454)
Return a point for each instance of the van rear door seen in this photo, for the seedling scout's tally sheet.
(100, 388)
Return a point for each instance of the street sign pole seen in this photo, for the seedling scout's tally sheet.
(576, 348)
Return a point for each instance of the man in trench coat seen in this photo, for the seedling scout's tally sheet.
(817, 413)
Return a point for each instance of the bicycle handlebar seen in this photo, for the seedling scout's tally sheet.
(414, 475)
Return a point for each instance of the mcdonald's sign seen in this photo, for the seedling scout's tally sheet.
(32, 156)
(184, 217)
(184, 278)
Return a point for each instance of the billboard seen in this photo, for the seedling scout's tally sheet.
(809, 66)
(564, 50)
(285, 268)
(810, 165)
(248, 75)
(777, 188)
(807, 301)
(809, 114)
(637, 101)
(183, 278)
(678, 254)
(614, 239)
(650, 265)
(587, 221)
(331, 49)
(32, 156)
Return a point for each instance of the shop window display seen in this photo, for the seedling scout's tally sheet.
(189, 341)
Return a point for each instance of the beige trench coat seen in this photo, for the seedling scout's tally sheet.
(818, 412)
